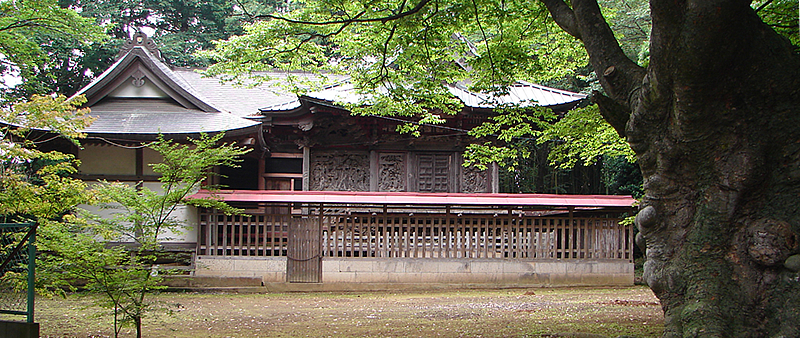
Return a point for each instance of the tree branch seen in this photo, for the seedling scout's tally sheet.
(357, 19)
(485, 39)
(764, 5)
(615, 114)
(563, 16)
(620, 77)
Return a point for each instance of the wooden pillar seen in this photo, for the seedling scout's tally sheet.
(570, 234)
(494, 178)
(262, 167)
(140, 163)
(306, 168)
(374, 168)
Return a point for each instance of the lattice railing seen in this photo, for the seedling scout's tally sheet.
(363, 233)
(264, 234)
(485, 236)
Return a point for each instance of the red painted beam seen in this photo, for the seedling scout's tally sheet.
(415, 198)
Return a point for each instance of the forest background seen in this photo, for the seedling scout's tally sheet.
(580, 153)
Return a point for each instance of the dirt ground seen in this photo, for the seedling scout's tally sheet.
(536, 312)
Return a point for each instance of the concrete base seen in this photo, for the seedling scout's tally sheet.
(370, 273)
(389, 287)
(18, 329)
(189, 282)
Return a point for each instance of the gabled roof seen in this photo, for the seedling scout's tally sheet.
(140, 95)
(140, 64)
(243, 101)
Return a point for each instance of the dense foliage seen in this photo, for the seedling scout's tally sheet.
(52, 48)
(406, 52)
(400, 55)
(35, 185)
(87, 249)
(23, 28)
(57, 61)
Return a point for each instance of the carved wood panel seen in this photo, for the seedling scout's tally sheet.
(392, 172)
(474, 180)
(338, 171)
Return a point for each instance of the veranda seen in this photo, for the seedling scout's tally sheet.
(306, 229)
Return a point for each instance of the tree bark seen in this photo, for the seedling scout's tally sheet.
(715, 123)
(137, 322)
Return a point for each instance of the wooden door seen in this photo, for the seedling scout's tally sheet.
(434, 172)
(304, 254)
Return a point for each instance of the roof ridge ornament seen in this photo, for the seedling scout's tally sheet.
(139, 39)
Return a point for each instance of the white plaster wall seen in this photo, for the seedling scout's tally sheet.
(148, 90)
(184, 214)
(107, 160)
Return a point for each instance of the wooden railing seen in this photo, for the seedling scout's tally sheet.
(262, 234)
(422, 235)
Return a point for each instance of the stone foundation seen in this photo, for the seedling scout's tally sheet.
(431, 270)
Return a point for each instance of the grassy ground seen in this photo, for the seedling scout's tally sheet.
(459, 313)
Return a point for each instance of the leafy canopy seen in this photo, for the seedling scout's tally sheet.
(35, 185)
(583, 137)
(782, 16)
(22, 26)
(179, 27)
(400, 53)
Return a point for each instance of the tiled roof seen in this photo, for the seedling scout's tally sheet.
(239, 100)
(226, 105)
(341, 84)
(166, 123)
(192, 106)
(154, 116)
(100, 86)
(521, 93)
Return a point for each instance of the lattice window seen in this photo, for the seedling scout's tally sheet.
(434, 172)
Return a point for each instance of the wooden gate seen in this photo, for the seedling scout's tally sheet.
(304, 254)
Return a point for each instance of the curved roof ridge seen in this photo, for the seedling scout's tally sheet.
(179, 107)
(141, 48)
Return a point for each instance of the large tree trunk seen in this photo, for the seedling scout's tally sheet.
(715, 123)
